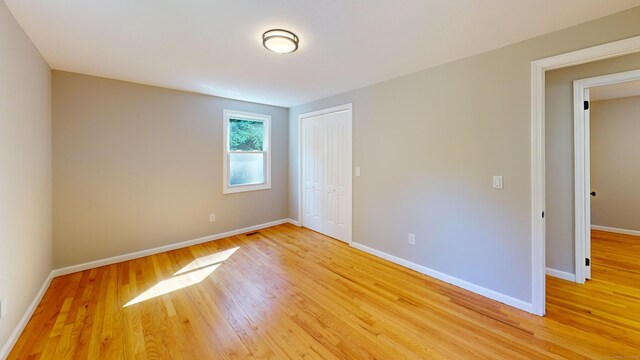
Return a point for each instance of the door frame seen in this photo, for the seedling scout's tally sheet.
(582, 164)
(538, 227)
(335, 109)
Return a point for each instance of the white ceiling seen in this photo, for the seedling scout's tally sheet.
(615, 91)
(214, 46)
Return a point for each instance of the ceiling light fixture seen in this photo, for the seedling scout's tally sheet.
(280, 41)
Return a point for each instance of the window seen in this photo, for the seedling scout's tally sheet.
(247, 157)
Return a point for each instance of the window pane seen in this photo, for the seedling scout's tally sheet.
(245, 135)
(246, 168)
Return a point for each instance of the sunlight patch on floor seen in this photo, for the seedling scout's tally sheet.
(207, 260)
(193, 273)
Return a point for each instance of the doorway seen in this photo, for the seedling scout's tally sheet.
(620, 83)
(538, 193)
(606, 181)
(325, 198)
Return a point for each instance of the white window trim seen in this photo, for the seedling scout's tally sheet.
(266, 119)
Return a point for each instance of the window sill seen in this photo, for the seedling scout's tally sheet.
(245, 188)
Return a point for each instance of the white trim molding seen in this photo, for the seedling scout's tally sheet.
(157, 250)
(561, 274)
(13, 338)
(538, 69)
(616, 230)
(491, 294)
(538, 227)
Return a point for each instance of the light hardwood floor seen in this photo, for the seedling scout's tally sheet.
(288, 292)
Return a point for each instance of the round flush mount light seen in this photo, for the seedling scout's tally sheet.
(280, 41)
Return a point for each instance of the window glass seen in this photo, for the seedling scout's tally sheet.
(246, 168)
(246, 135)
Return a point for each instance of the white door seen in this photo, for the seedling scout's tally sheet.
(312, 174)
(587, 185)
(337, 176)
(326, 173)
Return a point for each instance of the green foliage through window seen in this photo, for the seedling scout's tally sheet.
(246, 135)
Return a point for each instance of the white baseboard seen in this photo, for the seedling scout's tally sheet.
(294, 222)
(561, 274)
(491, 294)
(13, 338)
(616, 230)
(157, 250)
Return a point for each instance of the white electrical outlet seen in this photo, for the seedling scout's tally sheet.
(3, 307)
(412, 239)
(212, 217)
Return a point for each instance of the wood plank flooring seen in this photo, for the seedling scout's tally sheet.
(290, 293)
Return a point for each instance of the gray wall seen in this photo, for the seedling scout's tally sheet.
(428, 144)
(559, 154)
(615, 160)
(137, 167)
(25, 171)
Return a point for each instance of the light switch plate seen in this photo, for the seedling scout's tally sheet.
(412, 239)
(357, 171)
(497, 182)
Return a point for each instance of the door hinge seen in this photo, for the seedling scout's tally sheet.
(586, 105)
(543, 214)
(587, 262)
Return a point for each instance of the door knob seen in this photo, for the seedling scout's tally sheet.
(593, 193)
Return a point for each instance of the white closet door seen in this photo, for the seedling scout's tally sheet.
(337, 179)
(312, 174)
(326, 174)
